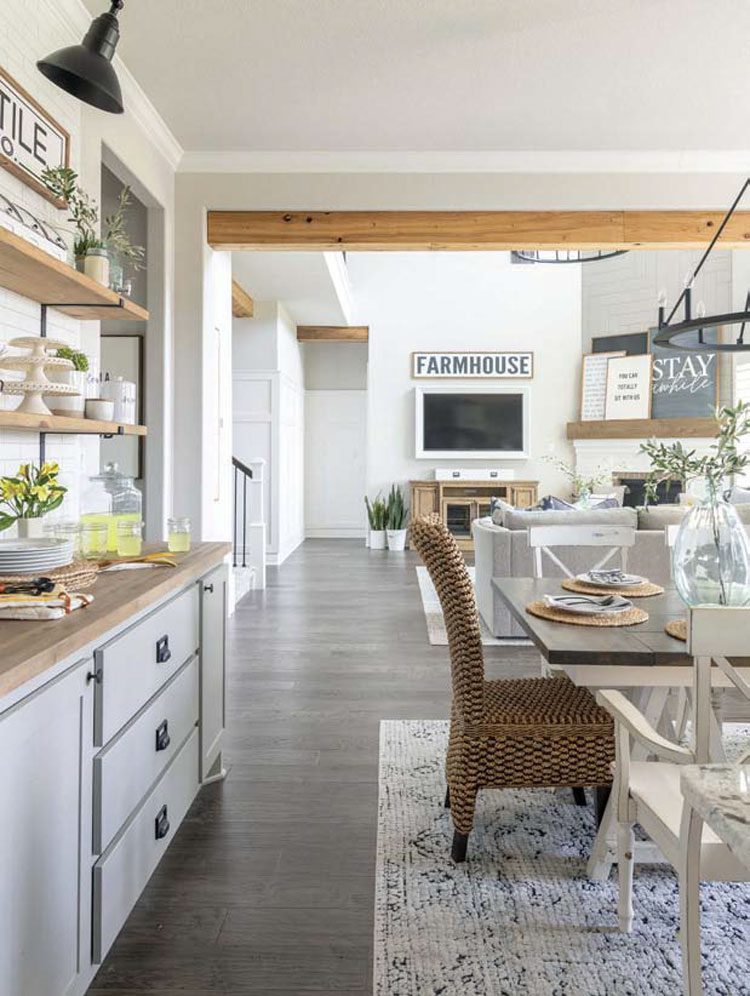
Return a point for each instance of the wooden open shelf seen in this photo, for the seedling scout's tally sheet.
(647, 428)
(64, 425)
(35, 274)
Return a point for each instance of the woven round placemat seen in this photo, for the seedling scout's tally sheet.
(630, 617)
(677, 628)
(79, 574)
(637, 591)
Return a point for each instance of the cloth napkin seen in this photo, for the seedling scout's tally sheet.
(598, 604)
(55, 605)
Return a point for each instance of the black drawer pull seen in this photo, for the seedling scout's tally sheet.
(208, 587)
(94, 676)
(163, 653)
(162, 736)
(161, 823)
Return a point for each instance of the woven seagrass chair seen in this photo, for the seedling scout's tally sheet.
(514, 733)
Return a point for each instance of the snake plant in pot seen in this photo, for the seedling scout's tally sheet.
(376, 516)
(711, 555)
(396, 515)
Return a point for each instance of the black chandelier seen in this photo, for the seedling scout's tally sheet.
(689, 334)
(556, 256)
(85, 70)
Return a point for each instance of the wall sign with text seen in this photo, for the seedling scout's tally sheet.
(30, 138)
(628, 387)
(483, 366)
(686, 383)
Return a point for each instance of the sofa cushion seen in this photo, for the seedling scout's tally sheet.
(498, 508)
(739, 496)
(661, 516)
(519, 519)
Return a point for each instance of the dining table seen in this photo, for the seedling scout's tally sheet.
(642, 659)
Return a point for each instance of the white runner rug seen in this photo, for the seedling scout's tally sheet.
(436, 624)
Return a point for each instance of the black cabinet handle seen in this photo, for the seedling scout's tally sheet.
(161, 823)
(163, 653)
(162, 736)
(94, 676)
(208, 587)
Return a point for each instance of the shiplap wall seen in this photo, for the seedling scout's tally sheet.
(23, 39)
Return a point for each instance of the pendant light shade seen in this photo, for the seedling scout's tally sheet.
(85, 70)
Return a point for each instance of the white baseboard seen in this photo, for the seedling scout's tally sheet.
(277, 559)
(353, 532)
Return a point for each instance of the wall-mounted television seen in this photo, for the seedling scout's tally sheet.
(471, 422)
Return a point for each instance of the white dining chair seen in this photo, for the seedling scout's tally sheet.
(546, 540)
(648, 792)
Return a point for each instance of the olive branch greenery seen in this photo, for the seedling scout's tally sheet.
(716, 468)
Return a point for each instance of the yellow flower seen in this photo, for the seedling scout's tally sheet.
(9, 489)
(50, 468)
(40, 491)
(23, 470)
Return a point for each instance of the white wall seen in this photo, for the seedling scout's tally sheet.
(424, 301)
(268, 418)
(335, 366)
(140, 141)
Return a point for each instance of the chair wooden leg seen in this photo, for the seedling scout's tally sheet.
(625, 847)
(601, 798)
(460, 843)
(579, 794)
(691, 833)
(447, 802)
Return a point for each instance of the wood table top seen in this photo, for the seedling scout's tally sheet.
(28, 648)
(641, 645)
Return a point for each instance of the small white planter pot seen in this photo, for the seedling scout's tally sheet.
(377, 539)
(71, 405)
(96, 266)
(30, 528)
(396, 539)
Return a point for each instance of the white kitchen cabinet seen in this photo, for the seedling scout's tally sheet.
(213, 615)
(45, 836)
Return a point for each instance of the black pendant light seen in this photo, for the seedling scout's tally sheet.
(85, 70)
(564, 255)
(689, 334)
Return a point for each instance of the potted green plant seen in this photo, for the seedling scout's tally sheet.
(73, 405)
(122, 252)
(376, 515)
(28, 496)
(396, 515)
(711, 554)
(582, 485)
(88, 247)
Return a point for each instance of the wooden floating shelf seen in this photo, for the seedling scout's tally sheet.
(35, 274)
(64, 425)
(647, 428)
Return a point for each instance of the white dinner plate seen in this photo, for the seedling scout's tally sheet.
(627, 581)
(587, 608)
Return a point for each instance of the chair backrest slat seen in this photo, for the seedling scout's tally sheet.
(545, 539)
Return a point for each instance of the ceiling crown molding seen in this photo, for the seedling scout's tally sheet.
(564, 161)
(73, 17)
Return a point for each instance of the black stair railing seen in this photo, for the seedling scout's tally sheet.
(242, 474)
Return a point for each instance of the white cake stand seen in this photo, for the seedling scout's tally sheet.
(36, 383)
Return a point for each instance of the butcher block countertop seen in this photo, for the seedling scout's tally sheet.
(27, 648)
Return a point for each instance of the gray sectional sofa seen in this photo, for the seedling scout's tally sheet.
(502, 550)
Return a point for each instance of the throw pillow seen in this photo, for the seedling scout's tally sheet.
(498, 509)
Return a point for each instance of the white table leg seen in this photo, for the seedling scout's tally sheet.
(691, 833)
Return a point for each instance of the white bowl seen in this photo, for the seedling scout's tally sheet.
(100, 409)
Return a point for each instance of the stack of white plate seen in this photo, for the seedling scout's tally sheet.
(34, 556)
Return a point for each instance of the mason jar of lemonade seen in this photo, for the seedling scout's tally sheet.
(178, 535)
(96, 511)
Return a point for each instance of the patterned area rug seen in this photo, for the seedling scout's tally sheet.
(520, 918)
(436, 624)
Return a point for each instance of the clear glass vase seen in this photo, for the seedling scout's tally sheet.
(712, 555)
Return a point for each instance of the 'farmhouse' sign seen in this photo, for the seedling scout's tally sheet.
(30, 140)
(480, 365)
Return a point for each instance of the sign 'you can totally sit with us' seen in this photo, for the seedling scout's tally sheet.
(481, 365)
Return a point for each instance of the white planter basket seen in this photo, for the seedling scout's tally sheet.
(377, 539)
(396, 539)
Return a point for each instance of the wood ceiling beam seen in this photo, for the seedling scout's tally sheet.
(333, 333)
(242, 304)
(464, 230)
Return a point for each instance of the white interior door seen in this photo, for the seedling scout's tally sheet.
(335, 442)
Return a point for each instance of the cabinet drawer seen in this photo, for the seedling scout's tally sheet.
(120, 875)
(133, 666)
(129, 765)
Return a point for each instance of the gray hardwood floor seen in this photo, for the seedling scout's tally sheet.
(268, 886)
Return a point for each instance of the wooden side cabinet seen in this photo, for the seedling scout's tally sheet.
(458, 503)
